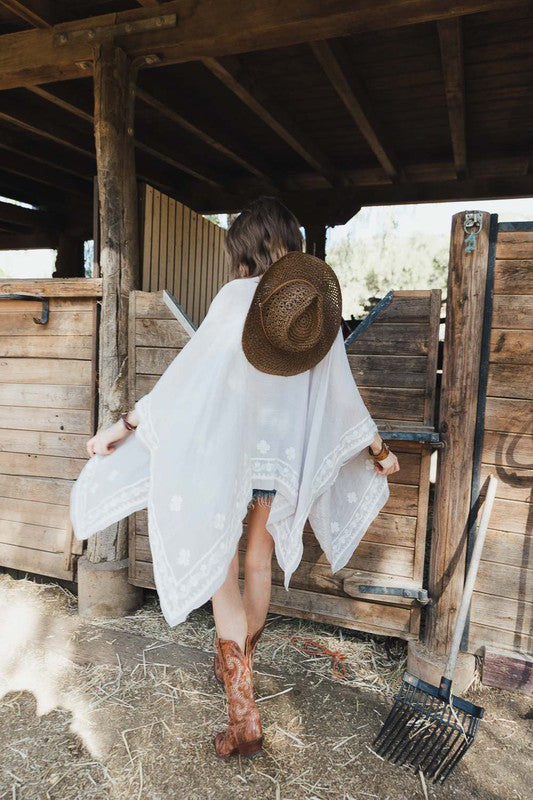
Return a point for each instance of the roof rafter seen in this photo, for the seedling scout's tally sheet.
(238, 80)
(332, 58)
(211, 30)
(36, 12)
(451, 53)
(184, 123)
(79, 112)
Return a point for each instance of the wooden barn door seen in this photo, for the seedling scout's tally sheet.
(47, 413)
(394, 364)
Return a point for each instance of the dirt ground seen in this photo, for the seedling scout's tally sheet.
(139, 723)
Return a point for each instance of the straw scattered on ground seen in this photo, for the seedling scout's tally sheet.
(145, 731)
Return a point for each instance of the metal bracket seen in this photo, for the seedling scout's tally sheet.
(44, 300)
(100, 33)
(420, 595)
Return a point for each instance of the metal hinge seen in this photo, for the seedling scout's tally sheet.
(420, 595)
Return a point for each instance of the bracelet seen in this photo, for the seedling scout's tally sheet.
(128, 425)
(383, 453)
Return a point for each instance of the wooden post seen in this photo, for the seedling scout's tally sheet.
(315, 239)
(114, 94)
(458, 404)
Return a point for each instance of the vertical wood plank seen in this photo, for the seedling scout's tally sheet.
(163, 244)
(458, 404)
(178, 252)
(148, 209)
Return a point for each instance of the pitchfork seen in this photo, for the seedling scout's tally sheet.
(428, 728)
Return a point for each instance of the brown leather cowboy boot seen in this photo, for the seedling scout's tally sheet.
(244, 735)
(253, 644)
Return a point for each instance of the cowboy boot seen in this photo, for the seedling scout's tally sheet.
(244, 735)
(253, 644)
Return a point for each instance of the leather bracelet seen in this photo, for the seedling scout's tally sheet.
(383, 453)
(128, 425)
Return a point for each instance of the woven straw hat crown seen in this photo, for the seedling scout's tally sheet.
(294, 315)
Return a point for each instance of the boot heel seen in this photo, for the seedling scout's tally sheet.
(252, 748)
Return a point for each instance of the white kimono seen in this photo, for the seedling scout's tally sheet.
(214, 427)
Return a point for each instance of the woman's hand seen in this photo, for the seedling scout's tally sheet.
(103, 443)
(388, 465)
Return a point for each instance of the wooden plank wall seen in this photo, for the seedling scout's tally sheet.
(181, 251)
(393, 548)
(502, 606)
(47, 407)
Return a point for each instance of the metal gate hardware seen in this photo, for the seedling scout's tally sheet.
(99, 33)
(420, 595)
(44, 300)
(472, 225)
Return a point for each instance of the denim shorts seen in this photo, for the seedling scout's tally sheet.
(262, 496)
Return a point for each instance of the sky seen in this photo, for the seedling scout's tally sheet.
(410, 219)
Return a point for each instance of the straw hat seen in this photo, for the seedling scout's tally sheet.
(294, 316)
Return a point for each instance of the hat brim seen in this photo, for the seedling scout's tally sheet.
(259, 351)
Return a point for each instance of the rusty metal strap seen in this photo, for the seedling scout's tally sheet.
(44, 300)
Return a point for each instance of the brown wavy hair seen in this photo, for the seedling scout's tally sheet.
(263, 232)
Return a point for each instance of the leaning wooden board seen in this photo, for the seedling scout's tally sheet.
(392, 551)
(47, 413)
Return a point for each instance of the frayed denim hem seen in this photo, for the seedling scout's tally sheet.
(262, 496)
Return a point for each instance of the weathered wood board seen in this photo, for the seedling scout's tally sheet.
(47, 413)
(181, 251)
(392, 551)
(502, 606)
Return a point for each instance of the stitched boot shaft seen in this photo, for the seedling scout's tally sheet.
(217, 669)
(243, 734)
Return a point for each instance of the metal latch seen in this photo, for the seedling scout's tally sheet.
(420, 595)
(44, 300)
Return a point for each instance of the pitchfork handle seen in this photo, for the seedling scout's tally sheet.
(470, 578)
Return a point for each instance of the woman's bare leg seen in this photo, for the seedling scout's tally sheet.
(257, 567)
(228, 608)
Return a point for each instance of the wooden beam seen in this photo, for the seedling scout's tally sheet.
(38, 131)
(29, 241)
(114, 81)
(457, 421)
(12, 143)
(184, 123)
(332, 58)
(211, 30)
(27, 217)
(451, 53)
(26, 190)
(40, 173)
(36, 12)
(233, 75)
(158, 154)
(60, 103)
(334, 205)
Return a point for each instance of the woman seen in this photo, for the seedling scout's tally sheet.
(287, 423)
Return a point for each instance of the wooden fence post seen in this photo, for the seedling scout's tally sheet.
(103, 586)
(457, 418)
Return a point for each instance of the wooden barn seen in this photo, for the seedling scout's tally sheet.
(127, 122)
